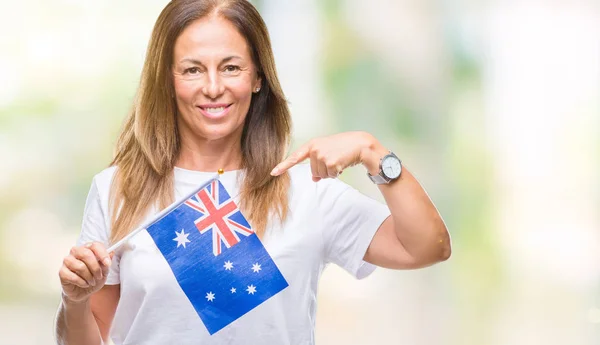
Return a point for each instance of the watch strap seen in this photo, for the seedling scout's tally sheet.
(377, 179)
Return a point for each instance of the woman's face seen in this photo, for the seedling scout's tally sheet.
(214, 78)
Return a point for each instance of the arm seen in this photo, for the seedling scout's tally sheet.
(415, 235)
(75, 324)
(88, 321)
(88, 306)
(104, 305)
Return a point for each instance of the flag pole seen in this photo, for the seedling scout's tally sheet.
(163, 212)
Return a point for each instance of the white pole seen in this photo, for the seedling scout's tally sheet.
(161, 214)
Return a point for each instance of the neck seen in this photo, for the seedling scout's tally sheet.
(210, 155)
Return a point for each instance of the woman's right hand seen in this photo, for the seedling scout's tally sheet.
(84, 271)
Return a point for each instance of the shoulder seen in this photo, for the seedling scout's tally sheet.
(96, 222)
(104, 178)
(101, 182)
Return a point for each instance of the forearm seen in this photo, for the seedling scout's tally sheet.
(75, 324)
(417, 223)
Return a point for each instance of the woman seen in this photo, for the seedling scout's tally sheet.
(209, 98)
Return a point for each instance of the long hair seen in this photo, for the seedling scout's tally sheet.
(148, 145)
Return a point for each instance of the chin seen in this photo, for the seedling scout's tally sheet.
(220, 132)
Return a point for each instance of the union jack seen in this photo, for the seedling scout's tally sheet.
(216, 210)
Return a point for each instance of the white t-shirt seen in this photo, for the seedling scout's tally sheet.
(328, 221)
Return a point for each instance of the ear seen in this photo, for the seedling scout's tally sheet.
(257, 83)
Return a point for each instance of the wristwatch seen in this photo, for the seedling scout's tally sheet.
(390, 168)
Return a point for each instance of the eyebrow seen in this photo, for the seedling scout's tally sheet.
(197, 62)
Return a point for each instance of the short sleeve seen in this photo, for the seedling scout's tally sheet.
(350, 219)
(94, 228)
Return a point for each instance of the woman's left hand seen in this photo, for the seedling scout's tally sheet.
(330, 155)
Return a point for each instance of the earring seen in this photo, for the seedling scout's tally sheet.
(256, 90)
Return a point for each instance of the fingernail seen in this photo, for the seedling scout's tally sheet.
(106, 261)
(88, 245)
(274, 171)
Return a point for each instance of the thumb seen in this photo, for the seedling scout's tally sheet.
(106, 264)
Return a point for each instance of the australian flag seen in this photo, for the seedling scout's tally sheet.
(217, 259)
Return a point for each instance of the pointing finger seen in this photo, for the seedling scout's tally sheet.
(295, 158)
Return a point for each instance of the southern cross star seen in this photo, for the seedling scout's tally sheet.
(181, 238)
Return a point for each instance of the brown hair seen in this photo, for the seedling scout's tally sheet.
(148, 145)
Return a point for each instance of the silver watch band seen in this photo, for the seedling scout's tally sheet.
(377, 179)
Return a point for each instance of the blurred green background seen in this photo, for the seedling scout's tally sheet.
(493, 105)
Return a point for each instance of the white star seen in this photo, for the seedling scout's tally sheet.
(251, 289)
(232, 290)
(181, 238)
(210, 296)
(256, 267)
(228, 265)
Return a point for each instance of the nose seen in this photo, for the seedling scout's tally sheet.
(213, 86)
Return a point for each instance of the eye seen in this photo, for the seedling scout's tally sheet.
(231, 68)
(191, 70)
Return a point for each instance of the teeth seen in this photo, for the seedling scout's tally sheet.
(215, 110)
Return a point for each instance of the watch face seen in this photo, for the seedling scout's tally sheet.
(391, 167)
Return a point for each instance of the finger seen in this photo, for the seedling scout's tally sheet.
(321, 167)
(100, 252)
(335, 170)
(332, 171)
(314, 167)
(88, 257)
(77, 263)
(79, 268)
(298, 156)
(105, 268)
(68, 277)
(104, 259)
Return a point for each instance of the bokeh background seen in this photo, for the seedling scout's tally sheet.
(492, 104)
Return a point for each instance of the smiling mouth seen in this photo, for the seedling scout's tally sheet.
(214, 111)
